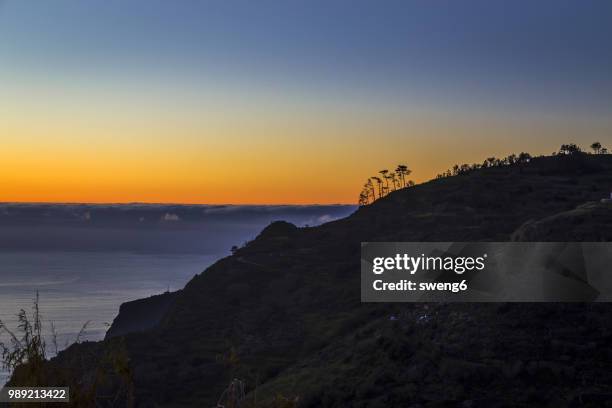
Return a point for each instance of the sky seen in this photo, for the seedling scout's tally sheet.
(287, 102)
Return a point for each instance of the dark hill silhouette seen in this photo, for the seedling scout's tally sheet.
(283, 313)
(590, 222)
(141, 314)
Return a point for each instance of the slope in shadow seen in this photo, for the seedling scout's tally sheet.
(284, 312)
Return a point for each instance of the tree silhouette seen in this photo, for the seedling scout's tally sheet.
(370, 188)
(389, 181)
(489, 162)
(570, 148)
(402, 171)
(596, 147)
(516, 160)
(524, 157)
(394, 180)
(363, 198)
(384, 173)
(379, 185)
(390, 178)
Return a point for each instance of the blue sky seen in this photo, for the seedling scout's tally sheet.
(501, 49)
(286, 77)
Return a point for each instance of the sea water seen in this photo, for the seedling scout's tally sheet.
(78, 289)
(85, 260)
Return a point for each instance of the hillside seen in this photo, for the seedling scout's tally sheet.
(591, 221)
(284, 312)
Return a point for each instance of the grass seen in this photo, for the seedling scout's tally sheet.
(25, 355)
(26, 346)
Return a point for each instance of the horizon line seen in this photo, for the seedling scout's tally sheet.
(167, 203)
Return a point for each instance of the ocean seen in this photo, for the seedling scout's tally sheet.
(84, 261)
(86, 288)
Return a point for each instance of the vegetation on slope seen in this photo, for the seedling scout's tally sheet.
(283, 313)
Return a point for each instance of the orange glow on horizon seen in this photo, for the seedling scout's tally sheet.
(137, 151)
(277, 104)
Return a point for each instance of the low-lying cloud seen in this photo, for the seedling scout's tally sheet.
(202, 229)
(170, 217)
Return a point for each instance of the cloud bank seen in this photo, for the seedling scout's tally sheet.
(202, 229)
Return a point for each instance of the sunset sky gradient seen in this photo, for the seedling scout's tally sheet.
(287, 101)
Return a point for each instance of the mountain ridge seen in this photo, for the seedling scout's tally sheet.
(283, 313)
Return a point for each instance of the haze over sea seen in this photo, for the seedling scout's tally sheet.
(85, 260)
